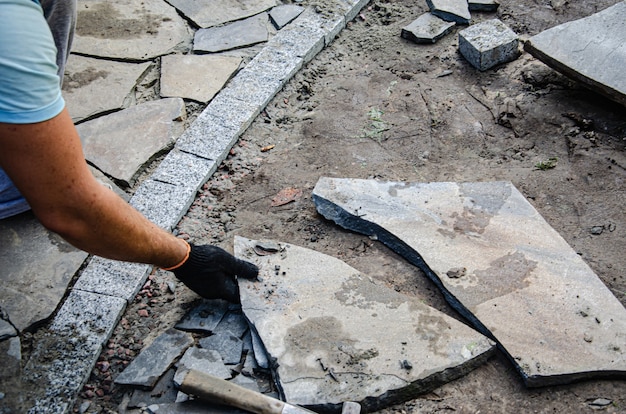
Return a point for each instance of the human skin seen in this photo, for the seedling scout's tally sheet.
(45, 161)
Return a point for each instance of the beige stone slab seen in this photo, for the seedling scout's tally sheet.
(338, 335)
(128, 29)
(500, 264)
(197, 77)
(209, 13)
(95, 86)
(122, 143)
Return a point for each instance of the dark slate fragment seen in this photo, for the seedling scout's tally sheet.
(227, 344)
(162, 393)
(483, 5)
(204, 317)
(233, 322)
(427, 28)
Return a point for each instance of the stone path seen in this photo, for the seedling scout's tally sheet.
(119, 66)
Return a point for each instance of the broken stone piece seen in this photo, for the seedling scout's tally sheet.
(284, 14)
(208, 361)
(204, 317)
(523, 284)
(6, 330)
(427, 28)
(336, 334)
(591, 50)
(488, 44)
(226, 344)
(451, 10)
(242, 33)
(483, 5)
(233, 323)
(208, 13)
(162, 393)
(152, 362)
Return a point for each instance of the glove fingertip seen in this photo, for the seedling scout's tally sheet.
(247, 270)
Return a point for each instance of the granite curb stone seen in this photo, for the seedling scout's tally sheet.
(113, 278)
(488, 44)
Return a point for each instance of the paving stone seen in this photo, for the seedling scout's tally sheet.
(111, 82)
(451, 10)
(246, 382)
(37, 267)
(488, 44)
(284, 14)
(155, 359)
(591, 50)
(208, 361)
(162, 203)
(154, 127)
(208, 13)
(105, 181)
(6, 330)
(483, 5)
(242, 33)
(427, 28)
(137, 30)
(197, 77)
(204, 317)
(500, 264)
(233, 322)
(163, 392)
(328, 327)
(11, 360)
(304, 39)
(113, 278)
(184, 169)
(226, 344)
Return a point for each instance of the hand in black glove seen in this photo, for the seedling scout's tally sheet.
(211, 272)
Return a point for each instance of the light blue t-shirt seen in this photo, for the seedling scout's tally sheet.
(29, 85)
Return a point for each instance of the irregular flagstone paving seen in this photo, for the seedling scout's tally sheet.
(242, 33)
(208, 13)
(498, 263)
(591, 50)
(111, 82)
(337, 335)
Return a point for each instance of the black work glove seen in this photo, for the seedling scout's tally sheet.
(211, 272)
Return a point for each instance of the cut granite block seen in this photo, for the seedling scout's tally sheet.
(488, 44)
(226, 344)
(113, 278)
(242, 33)
(197, 77)
(162, 203)
(450, 10)
(37, 267)
(483, 5)
(131, 17)
(155, 359)
(207, 361)
(204, 317)
(183, 169)
(284, 14)
(112, 82)
(153, 126)
(327, 326)
(499, 264)
(208, 13)
(591, 50)
(427, 28)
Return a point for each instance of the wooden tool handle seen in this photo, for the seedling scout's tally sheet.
(219, 391)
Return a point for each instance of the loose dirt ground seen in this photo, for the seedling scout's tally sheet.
(373, 105)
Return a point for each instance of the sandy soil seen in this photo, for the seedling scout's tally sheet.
(373, 105)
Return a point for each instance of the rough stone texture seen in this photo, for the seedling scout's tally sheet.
(182, 169)
(205, 317)
(162, 203)
(37, 266)
(155, 359)
(483, 5)
(163, 392)
(499, 264)
(233, 322)
(488, 44)
(138, 30)
(327, 326)
(427, 28)
(113, 278)
(6, 330)
(451, 10)
(153, 126)
(105, 181)
(208, 13)
(242, 33)
(112, 82)
(11, 359)
(226, 344)
(591, 50)
(204, 360)
(196, 77)
(284, 14)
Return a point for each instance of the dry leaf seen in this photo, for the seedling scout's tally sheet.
(267, 148)
(286, 195)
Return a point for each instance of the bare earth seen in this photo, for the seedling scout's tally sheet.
(373, 105)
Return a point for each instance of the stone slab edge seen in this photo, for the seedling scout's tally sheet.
(166, 196)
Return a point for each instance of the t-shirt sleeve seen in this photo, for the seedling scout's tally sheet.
(29, 85)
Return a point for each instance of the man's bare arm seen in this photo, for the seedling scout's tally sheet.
(46, 162)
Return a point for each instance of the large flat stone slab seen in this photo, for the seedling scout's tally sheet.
(208, 13)
(591, 50)
(95, 86)
(338, 335)
(241, 33)
(197, 77)
(122, 143)
(128, 29)
(451, 10)
(500, 264)
(37, 267)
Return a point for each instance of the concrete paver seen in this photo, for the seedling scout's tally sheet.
(328, 327)
(499, 264)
